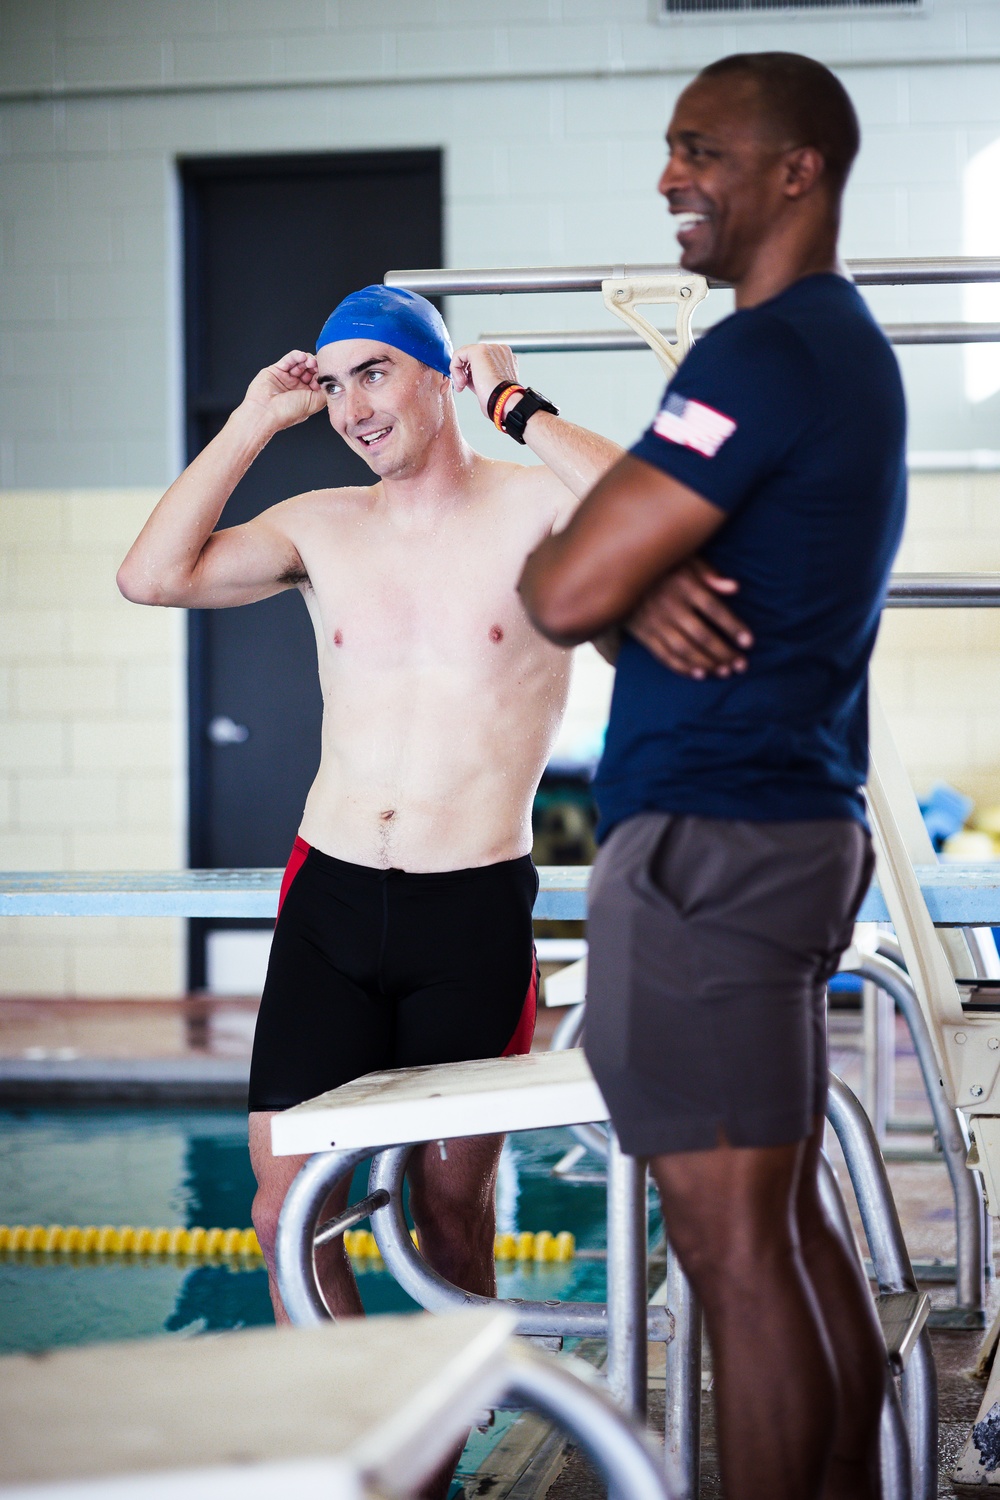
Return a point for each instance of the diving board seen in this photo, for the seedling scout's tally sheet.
(957, 895)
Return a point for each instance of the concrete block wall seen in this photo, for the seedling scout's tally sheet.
(550, 117)
(551, 122)
(92, 750)
(93, 723)
(937, 669)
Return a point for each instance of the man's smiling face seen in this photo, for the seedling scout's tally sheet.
(385, 404)
(724, 179)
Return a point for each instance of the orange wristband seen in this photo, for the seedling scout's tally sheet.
(501, 406)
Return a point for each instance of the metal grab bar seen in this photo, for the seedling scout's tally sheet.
(442, 282)
(893, 1273)
(340, 1223)
(603, 340)
(944, 591)
(293, 1251)
(894, 1442)
(952, 1132)
(575, 1403)
(296, 1273)
(426, 1286)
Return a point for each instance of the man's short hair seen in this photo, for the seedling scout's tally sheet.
(805, 101)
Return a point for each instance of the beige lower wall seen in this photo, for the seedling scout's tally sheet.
(938, 670)
(92, 737)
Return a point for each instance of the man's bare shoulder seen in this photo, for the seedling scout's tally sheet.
(531, 484)
(348, 501)
(311, 517)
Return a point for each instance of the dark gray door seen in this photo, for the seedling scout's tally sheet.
(271, 245)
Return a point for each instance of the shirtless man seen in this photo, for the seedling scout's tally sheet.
(405, 935)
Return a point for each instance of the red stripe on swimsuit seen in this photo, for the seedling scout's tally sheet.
(520, 1042)
(296, 860)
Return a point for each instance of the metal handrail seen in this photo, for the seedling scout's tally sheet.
(893, 1273)
(443, 282)
(894, 1443)
(944, 591)
(605, 340)
(570, 1397)
(953, 1135)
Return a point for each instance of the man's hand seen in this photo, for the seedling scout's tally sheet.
(480, 368)
(287, 392)
(685, 624)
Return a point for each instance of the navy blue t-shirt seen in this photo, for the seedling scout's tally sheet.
(789, 417)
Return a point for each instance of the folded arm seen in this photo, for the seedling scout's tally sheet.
(636, 525)
(179, 558)
(686, 624)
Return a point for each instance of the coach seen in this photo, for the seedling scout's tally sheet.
(734, 850)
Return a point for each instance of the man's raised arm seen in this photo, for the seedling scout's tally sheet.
(576, 457)
(178, 558)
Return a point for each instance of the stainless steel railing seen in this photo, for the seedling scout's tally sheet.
(605, 340)
(442, 282)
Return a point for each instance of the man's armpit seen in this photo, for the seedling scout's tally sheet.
(294, 576)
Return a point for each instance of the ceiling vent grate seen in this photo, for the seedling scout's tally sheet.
(670, 8)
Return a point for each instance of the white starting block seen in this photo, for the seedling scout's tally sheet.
(568, 986)
(339, 1412)
(351, 1411)
(485, 1097)
(384, 1115)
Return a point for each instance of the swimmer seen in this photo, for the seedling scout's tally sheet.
(404, 935)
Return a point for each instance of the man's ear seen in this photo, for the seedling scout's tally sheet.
(804, 167)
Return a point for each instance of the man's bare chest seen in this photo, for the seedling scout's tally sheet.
(449, 604)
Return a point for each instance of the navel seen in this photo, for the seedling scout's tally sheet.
(388, 815)
(496, 634)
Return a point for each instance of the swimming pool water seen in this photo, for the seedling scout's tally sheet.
(191, 1167)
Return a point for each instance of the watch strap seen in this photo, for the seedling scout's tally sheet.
(515, 421)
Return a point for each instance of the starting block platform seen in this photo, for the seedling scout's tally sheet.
(484, 1097)
(339, 1411)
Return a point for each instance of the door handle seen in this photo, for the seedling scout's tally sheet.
(222, 730)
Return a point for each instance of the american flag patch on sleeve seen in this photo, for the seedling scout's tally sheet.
(693, 425)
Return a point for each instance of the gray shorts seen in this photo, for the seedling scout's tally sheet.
(711, 942)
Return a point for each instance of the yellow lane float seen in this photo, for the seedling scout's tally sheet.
(89, 1239)
(106, 1239)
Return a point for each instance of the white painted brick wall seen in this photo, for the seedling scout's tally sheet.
(936, 670)
(550, 115)
(91, 739)
(582, 91)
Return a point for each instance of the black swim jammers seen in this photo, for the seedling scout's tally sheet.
(374, 969)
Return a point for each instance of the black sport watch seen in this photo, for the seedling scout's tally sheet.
(515, 421)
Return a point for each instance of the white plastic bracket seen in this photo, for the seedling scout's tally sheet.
(621, 296)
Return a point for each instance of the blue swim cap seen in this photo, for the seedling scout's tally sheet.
(403, 319)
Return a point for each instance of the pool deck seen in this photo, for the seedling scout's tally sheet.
(190, 1051)
(147, 1049)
